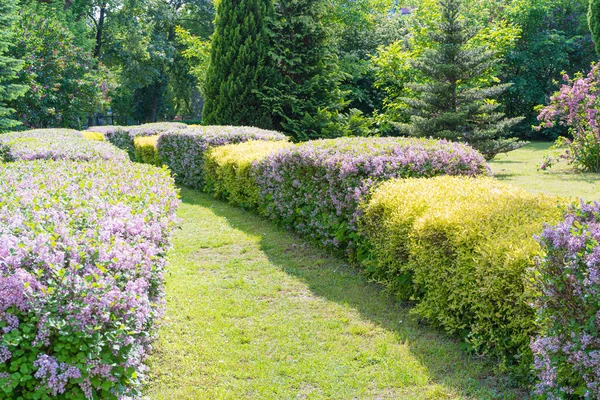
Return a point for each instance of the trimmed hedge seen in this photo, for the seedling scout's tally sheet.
(230, 171)
(183, 150)
(567, 351)
(145, 150)
(93, 136)
(55, 144)
(461, 248)
(123, 136)
(82, 253)
(316, 187)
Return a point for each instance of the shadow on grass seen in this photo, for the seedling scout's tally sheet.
(332, 278)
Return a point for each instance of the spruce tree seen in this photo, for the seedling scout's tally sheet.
(239, 64)
(455, 103)
(9, 67)
(594, 22)
(307, 96)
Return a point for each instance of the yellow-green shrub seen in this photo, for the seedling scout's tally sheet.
(93, 136)
(460, 247)
(229, 174)
(144, 150)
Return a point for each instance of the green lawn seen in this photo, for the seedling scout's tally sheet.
(253, 312)
(520, 168)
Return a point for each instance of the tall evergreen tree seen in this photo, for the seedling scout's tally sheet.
(239, 64)
(594, 22)
(9, 67)
(307, 96)
(456, 103)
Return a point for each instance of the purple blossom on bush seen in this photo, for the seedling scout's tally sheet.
(55, 144)
(316, 187)
(567, 352)
(82, 253)
(183, 150)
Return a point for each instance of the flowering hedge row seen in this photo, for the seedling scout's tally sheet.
(316, 187)
(123, 136)
(230, 171)
(82, 252)
(55, 144)
(461, 247)
(183, 150)
(567, 352)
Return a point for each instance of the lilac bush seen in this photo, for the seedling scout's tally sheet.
(124, 136)
(567, 353)
(55, 144)
(82, 253)
(316, 187)
(577, 105)
(183, 150)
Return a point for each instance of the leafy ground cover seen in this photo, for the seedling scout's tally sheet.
(520, 168)
(255, 312)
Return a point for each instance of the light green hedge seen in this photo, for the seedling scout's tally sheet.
(144, 150)
(229, 172)
(460, 248)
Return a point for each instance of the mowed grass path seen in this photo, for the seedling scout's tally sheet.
(254, 312)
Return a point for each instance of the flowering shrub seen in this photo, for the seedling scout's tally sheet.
(82, 250)
(183, 150)
(230, 171)
(577, 105)
(145, 151)
(316, 187)
(461, 247)
(123, 136)
(567, 352)
(55, 144)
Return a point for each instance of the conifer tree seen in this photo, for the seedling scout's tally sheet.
(594, 22)
(307, 96)
(239, 64)
(9, 67)
(456, 103)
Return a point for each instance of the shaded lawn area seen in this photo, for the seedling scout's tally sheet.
(519, 167)
(253, 312)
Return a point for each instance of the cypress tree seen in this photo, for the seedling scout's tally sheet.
(239, 64)
(307, 96)
(455, 103)
(594, 22)
(9, 67)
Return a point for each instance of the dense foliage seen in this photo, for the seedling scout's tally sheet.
(460, 248)
(230, 171)
(568, 279)
(55, 144)
(9, 66)
(145, 150)
(183, 150)
(577, 107)
(316, 187)
(82, 253)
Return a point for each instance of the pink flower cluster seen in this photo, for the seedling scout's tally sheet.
(567, 352)
(183, 150)
(55, 144)
(316, 187)
(82, 252)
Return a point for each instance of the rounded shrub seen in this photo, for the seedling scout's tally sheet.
(145, 150)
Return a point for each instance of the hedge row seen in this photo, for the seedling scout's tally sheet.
(55, 144)
(183, 150)
(123, 136)
(82, 253)
(461, 247)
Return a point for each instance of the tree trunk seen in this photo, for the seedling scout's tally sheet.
(99, 29)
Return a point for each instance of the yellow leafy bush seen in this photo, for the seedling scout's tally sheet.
(460, 247)
(229, 174)
(93, 136)
(144, 150)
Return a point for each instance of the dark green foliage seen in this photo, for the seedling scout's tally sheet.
(239, 64)
(594, 22)
(456, 103)
(307, 96)
(9, 67)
